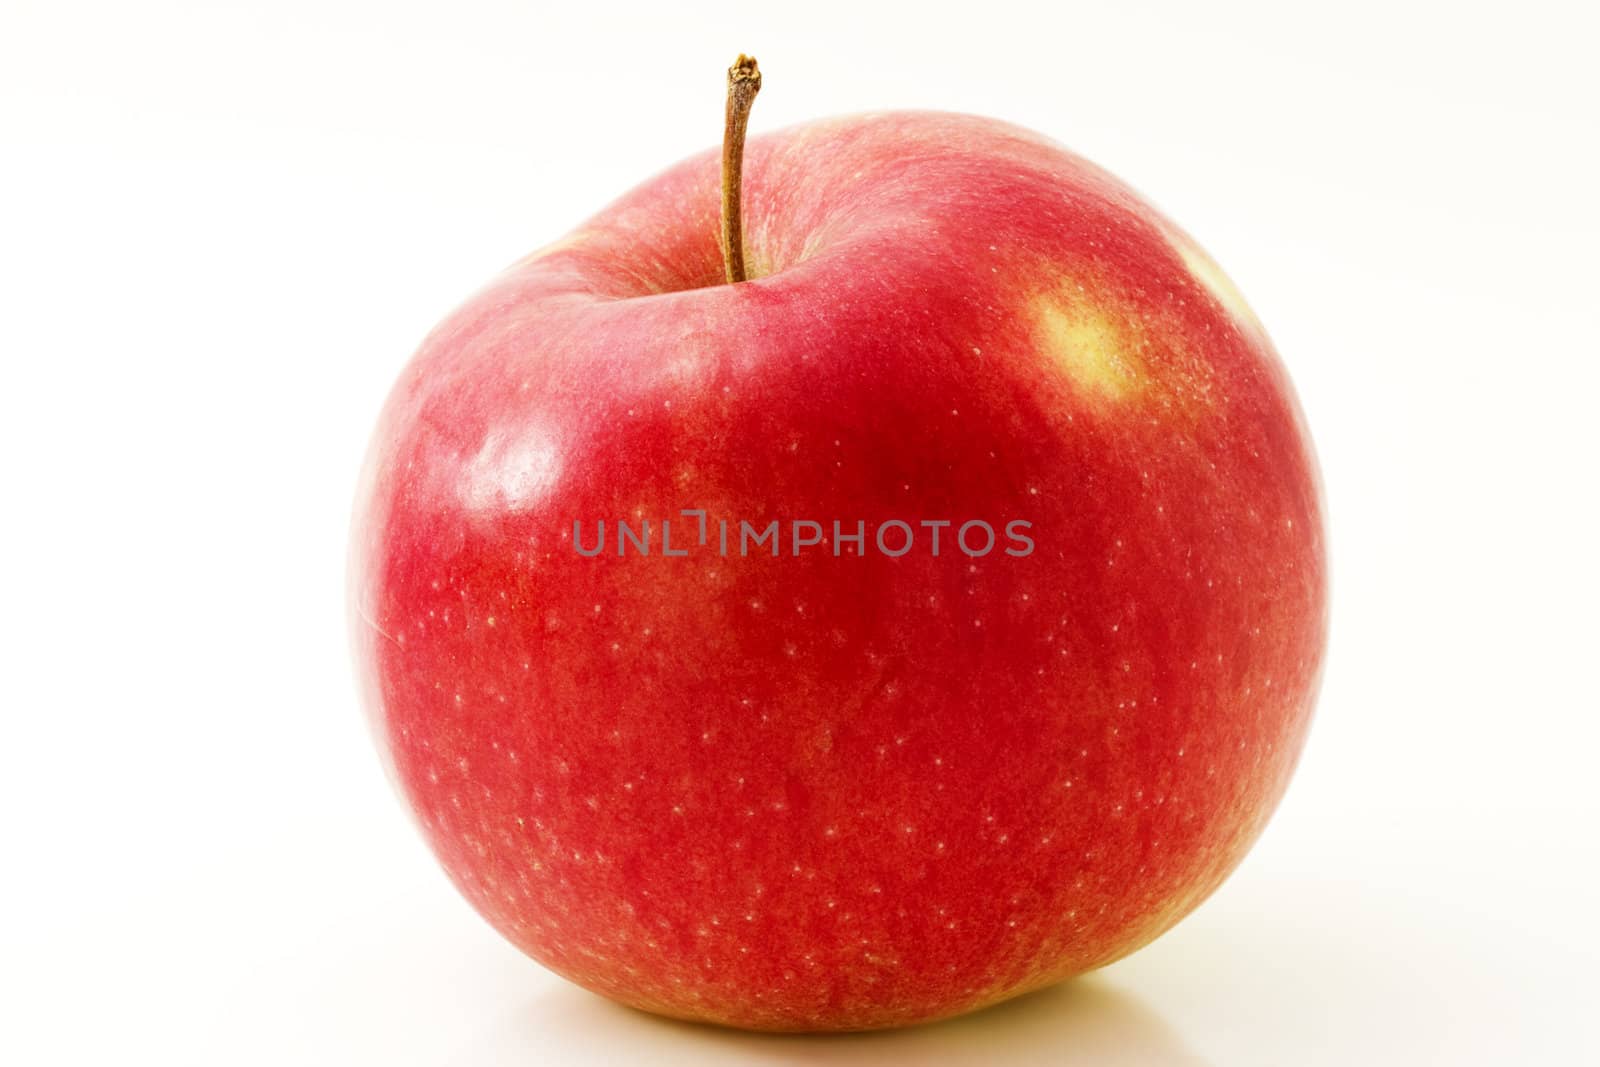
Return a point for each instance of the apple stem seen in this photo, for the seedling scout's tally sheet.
(744, 81)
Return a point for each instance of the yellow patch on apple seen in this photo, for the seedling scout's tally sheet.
(1091, 347)
(1204, 270)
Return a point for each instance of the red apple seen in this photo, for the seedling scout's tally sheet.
(849, 787)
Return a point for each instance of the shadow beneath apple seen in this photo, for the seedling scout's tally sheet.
(1081, 1022)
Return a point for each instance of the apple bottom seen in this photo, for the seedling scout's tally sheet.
(802, 804)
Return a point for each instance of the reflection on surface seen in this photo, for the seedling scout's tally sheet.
(1083, 1022)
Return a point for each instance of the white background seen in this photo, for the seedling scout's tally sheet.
(223, 228)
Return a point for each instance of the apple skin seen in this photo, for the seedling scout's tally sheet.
(845, 792)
